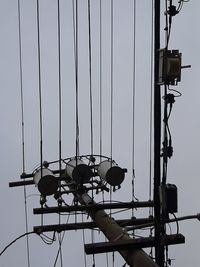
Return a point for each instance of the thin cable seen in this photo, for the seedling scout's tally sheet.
(113, 258)
(23, 127)
(90, 75)
(165, 138)
(100, 79)
(60, 249)
(77, 84)
(11, 243)
(111, 90)
(46, 239)
(133, 102)
(100, 99)
(60, 111)
(58, 252)
(111, 83)
(59, 87)
(151, 107)
(166, 24)
(74, 31)
(83, 234)
(39, 85)
(91, 102)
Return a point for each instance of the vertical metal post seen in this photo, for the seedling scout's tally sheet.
(159, 248)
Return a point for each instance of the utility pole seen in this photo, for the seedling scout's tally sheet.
(113, 232)
(159, 248)
(77, 178)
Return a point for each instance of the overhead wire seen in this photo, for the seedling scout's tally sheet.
(74, 33)
(61, 241)
(166, 131)
(83, 237)
(40, 92)
(60, 116)
(59, 86)
(111, 84)
(23, 126)
(100, 100)
(91, 99)
(39, 84)
(133, 103)
(113, 259)
(168, 23)
(11, 243)
(46, 239)
(60, 249)
(76, 80)
(111, 81)
(90, 77)
(100, 79)
(151, 105)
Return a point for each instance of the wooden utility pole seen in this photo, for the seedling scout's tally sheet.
(113, 232)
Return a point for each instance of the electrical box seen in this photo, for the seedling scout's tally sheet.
(169, 198)
(169, 67)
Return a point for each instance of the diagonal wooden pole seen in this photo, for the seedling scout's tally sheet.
(113, 232)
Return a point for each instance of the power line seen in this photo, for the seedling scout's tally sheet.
(90, 75)
(59, 86)
(83, 234)
(76, 81)
(39, 84)
(111, 83)
(151, 106)
(23, 126)
(60, 249)
(111, 86)
(133, 100)
(61, 241)
(100, 99)
(100, 78)
(11, 243)
(60, 114)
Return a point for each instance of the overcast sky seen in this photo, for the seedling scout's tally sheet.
(184, 122)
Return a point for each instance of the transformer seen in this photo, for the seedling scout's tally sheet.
(78, 171)
(110, 172)
(46, 181)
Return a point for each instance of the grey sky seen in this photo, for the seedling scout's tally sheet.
(184, 122)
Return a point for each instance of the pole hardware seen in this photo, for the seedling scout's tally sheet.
(143, 242)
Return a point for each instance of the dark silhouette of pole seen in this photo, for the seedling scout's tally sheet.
(159, 248)
(113, 232)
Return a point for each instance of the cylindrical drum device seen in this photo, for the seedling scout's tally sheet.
(110, 172)
(46, 181)
(78, 171)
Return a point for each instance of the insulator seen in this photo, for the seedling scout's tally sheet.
(78, 171)
(46, 181)
(110, 172)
